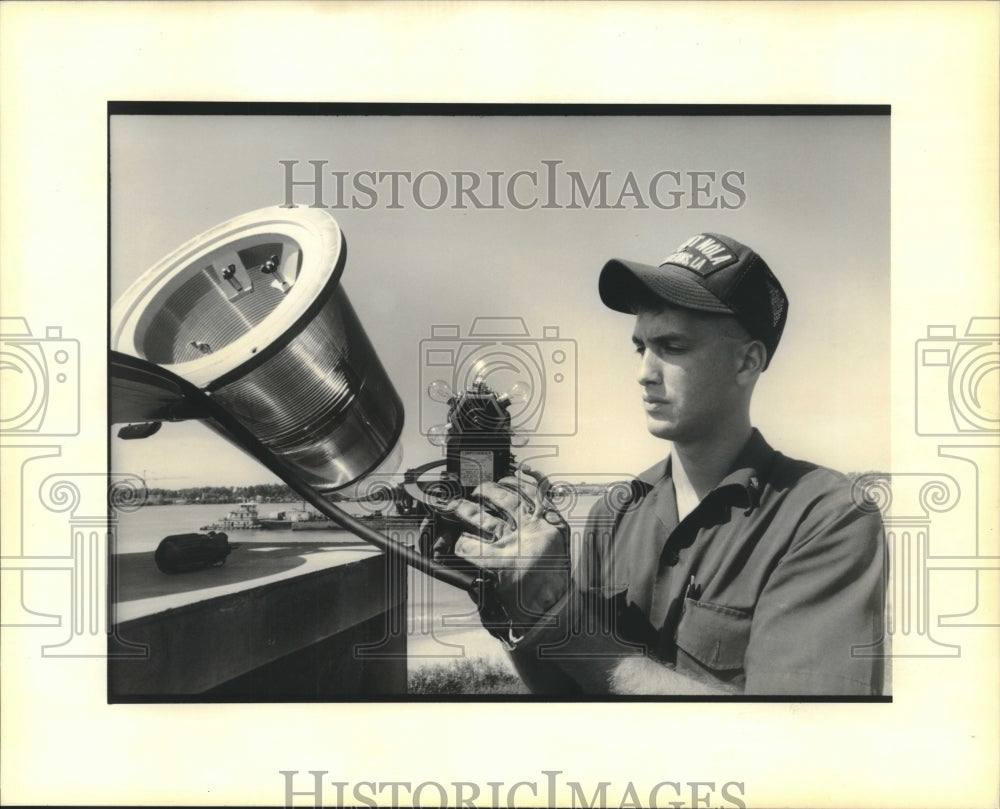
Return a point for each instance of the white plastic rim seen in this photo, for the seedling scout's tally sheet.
(312, 251)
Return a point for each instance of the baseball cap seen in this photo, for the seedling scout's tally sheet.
(709, 273)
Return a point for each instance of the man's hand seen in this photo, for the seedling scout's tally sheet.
(511, 528)
(640, 675)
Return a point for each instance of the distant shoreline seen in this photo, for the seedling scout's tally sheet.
(271, 494)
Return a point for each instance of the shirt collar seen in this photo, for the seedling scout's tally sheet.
(749, 470)
(746, 475)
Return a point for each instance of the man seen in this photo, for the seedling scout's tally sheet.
(732, 569)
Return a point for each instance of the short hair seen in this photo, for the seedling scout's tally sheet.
(728, 323)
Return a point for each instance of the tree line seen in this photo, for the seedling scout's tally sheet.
(275, 492)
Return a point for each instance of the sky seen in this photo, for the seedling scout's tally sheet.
(809, 193)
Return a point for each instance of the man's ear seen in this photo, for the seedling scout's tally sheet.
(752, 359)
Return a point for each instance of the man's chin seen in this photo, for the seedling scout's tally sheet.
(666, 430)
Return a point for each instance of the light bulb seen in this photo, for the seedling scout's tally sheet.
(519, 393)
(438, 435)
(440, 391)
(479, 371)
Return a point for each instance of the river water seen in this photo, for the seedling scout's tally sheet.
(142, 530)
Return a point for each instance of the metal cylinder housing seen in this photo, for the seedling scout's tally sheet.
(253, 313)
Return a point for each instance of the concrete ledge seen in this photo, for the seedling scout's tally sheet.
(333, 627)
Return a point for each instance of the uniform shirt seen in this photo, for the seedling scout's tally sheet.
(773, 584)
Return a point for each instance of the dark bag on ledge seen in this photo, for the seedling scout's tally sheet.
(182, 553)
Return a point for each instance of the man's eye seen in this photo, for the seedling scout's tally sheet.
(661, 349)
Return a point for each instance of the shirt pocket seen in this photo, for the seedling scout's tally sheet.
(715, 636)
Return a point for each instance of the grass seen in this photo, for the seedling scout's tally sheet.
(477, 675)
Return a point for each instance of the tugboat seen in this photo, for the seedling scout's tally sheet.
(243, 518)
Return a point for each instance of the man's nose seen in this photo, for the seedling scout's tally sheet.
(648, 372)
